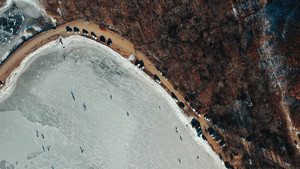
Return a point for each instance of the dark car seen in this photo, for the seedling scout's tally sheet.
(204, 138)
(85, 32)
(222, 144)
(212, 132)
(102, 38)
(157, 79)
(109, 42)
(94, 35)
(195, 123)
(181, 105)
(69, 30)
(207, 117)
(174, 97)
(76, 30)
(199, 133)
(198, 128)
(186, 99)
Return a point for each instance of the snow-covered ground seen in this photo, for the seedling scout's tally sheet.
(109, 86)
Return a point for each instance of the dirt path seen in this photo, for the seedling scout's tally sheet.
(121, 45)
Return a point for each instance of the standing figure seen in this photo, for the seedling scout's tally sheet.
(73, 95)
(84, 106)
(37, 133)
(81, 149)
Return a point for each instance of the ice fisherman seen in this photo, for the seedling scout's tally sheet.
(84, 106)
(81, 149)
(127, 114)
(42, 136)
(37, 133)
(73, 95)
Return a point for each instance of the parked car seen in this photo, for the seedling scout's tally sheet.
(76, 30)
(174, 97)
(296, 144)
(206, 117)
(222, 144)
(218, 140)
(157, 79)
(85, 32)
(204, 138)
(199, 133)
(195, 123)
(69, 30)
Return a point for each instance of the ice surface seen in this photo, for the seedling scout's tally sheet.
(42, 101)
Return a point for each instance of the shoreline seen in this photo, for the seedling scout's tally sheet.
(119, 45)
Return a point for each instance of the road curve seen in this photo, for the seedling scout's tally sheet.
(120, 44)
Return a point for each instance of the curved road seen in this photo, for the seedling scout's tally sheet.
(121, 45)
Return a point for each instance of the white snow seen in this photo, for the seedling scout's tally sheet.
(39, 98)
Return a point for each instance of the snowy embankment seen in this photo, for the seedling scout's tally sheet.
(38, 101)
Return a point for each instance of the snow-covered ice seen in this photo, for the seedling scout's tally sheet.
(109, 86)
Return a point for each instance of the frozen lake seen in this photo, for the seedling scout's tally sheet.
(109, 86)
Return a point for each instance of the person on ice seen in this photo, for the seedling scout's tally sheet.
(84, 106)
(81, 149)
(37, 133)
(42, 136)
(127, 114)
(180, 138)
(73, 95)
(43, 148)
